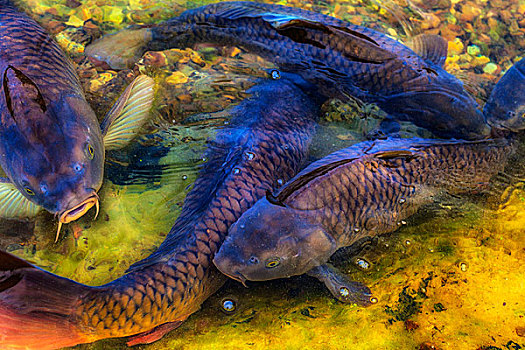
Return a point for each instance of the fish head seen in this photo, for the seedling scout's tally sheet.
(271, 241)
(439, 102)
(52, 150)
(505, 108)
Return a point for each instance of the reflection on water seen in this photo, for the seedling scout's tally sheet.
(452, 278)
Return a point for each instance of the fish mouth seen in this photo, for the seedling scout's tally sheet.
(78, 211)
(238, 277)
(513, 124)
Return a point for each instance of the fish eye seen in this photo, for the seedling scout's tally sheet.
(273, 262)
(90, 151)
(29, 191)
(253, 260)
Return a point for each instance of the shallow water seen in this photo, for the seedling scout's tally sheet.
(452, 278)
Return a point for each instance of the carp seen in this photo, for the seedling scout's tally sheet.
(362, 191)
(51, 143)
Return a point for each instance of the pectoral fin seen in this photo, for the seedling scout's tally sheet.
(154, 334)
(13, 205)
(129, 113)
(432, 48)
(342, 288)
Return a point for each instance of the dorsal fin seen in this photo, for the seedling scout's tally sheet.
(302, 180)
(297, 27)
(364, 48)
(385, 155)
(27, 108)
(272, 199)
(9, 262)
(20, 91)
(432, 48)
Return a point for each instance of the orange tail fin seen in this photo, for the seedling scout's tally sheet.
(37, 308)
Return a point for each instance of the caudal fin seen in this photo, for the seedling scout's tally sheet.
(37, 308)
(121, 49)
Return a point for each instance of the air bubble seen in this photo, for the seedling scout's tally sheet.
(228, 306)
(250, 155)
(362, 263)
(236, 171)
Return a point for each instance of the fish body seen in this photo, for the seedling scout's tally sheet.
(51, 143)
(50, 140)
(505, 108)
(264, 143)
(342, 59)
(362, 191)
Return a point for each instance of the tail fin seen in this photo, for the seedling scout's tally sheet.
(37, 308)
(119, 50)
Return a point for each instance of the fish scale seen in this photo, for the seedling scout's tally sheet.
(41, 54)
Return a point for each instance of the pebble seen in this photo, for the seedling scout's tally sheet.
(473, 50)
(177, 78)
(490, 68)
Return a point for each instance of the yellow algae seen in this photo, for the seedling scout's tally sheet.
(455, 47)
(132, 220)
(392, 32)
(101, 80)
(480, 60)
(235, 52)
(177, 78)
(67, 44)
(473, 296)
(75, 21)
(112, 14)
